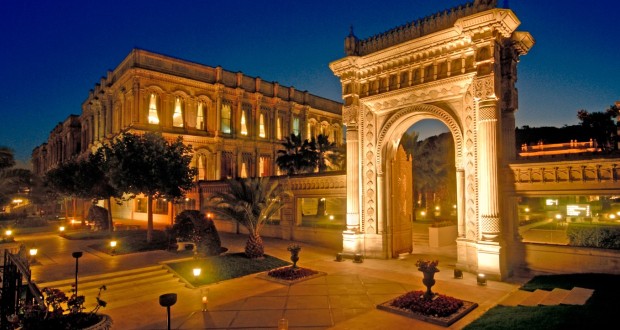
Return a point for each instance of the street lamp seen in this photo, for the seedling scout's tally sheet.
(113, 245)
(77, 256)
(167, 300)
(33, 253)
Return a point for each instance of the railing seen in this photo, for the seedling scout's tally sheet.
(14, 272)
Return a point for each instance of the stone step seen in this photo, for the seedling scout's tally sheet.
(555, 297)
(515, 298)
(535, 298)
(103, 277)
(577, 296)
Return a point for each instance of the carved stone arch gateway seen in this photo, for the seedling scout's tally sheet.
(459, 67)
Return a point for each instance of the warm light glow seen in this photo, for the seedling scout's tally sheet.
(244, 127)
(197, 271)
(454, 206)
(551, 202)
(423, 213)
(200, 117)
(33, 252)
(331, 217)
(481, 279)
(73, 221)
(436, 208)
(244, 171)
(61, 228)
(177, 116)
(8, 232)
(153, 117)
(17, 201)
(279, 128)
(261, 126)
(558, 216)
(113, 244)
(612, 216)
(527, 209)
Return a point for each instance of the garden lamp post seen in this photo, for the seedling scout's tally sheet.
(167, 300)
(77, 256)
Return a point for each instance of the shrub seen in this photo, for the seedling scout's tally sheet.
(191, 225)
(597, 236)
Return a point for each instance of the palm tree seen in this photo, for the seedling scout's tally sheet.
(10, 178)
(329, 155)
(297, 156)
(249, 201)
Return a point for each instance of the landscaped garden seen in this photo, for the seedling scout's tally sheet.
(598, 312)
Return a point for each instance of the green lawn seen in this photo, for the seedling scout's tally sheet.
(128, 241)
(598, 312)
(220, 268)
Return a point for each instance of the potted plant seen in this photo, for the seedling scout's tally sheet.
(428, 268)
(56, 316)
(294, 250)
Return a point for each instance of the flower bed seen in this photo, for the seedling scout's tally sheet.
(289, 275)
(441, 310)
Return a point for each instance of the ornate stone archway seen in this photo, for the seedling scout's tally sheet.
(459, 67)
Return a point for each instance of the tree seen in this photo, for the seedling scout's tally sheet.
(329, 155)
(601, 126)
(10, 178)
(148, 164)
(250, 202)
(83, 179)
(297, 156)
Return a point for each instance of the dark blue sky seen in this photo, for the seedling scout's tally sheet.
(53, 52)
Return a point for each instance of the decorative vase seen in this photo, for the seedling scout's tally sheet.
(294, 257)
(429, 281)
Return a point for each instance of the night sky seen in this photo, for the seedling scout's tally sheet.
(53, 52)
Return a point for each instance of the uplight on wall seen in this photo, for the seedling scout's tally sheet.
(61, 228)
(196, 271)
(481, 279)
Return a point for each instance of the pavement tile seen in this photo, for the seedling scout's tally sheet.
(346, 289)
(385, 288)
(535, 298)
(208, 320)
(257, 319)
(350, 301)
(306, 302)
(343, 314)
(273, 293)
(555, 297)
(255, 303)
(309, 317)
(342, 279)
(308, 289)
(515, 298)
(377, 299)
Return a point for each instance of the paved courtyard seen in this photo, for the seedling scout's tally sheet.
(345, 298)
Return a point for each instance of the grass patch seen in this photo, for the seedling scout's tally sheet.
(599, 311)
(128, 241)
(225, 267)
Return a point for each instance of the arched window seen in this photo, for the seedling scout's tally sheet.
(261, 127)
(153, 117)
(296, 125)
(202, 173)
(200, 116)
(225, 118)
(279, 128)
(244, 126)
(177, 116)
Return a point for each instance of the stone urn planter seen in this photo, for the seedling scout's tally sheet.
(104, 324)
(428, 268)
(294, 250)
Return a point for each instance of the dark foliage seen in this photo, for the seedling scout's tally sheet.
(439, 306)
(290, 274)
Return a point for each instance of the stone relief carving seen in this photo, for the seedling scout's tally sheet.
(469, 154)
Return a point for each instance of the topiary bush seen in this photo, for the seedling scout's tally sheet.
(594, 235)
(193, 226)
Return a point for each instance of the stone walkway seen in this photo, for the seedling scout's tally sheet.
(345, 298)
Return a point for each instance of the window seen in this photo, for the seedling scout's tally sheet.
(296, 125)
(177, 116)
(323, 212)
(200, 116)
(246, 165)
(244, 126)
(161, 206)
(140, 205)
(279, 128)
(153, 117)
(201, 167)
(264, 166)
(226, 118)
(227, 165)
(261, 128)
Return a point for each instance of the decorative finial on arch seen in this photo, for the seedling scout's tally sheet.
(351, 34)
(351, 43)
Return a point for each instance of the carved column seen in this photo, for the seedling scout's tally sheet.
(460, 201)
(488, 171)
(353, 180)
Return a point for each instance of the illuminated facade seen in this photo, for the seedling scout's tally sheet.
(459, 67)
(235, 123)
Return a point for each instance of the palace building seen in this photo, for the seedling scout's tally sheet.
(235, 123)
